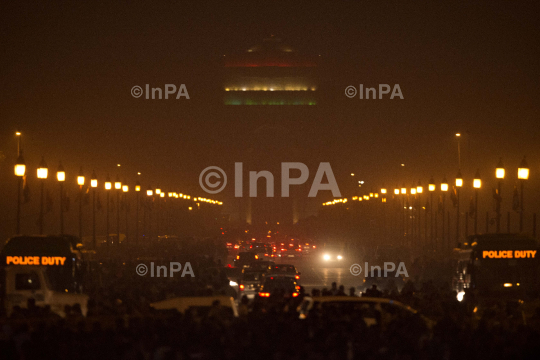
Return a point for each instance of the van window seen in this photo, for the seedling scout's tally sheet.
(27, 281)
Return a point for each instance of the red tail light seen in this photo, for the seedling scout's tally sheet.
(290, 244)
(251, 246)
(297, 277)
(229, 265)
(241, 287)
(229, 244)
(295, 294)
(237, 246)
(314, 247)
(265, 254)
(298, 249)
(263, 294)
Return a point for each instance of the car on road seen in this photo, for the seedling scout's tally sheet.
(373, 311)
(291, 251)
(244, 259)
(332, 254)
(250, 282)
(279, 287)
(262, 265)
(285, 270)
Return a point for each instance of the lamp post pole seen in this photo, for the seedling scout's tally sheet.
(459, 184)
(118, 188)
(42, 173)
(80, 182)
(477, 184)
(523, 174)
(108, 187)
(61, 177)
(137, 191)
(125, 190)
(431, 188)
(94, 184)
(499, 174)
(444, 189)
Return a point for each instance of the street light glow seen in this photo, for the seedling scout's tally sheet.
(117, 184)
(80, 178)
(61, 174)
(523, 170)
(459, 179)
(477, 182)
(93, 180)
(444, 185)
(42, 171)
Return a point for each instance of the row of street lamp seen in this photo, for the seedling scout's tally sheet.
(43, 174)
(500, 173)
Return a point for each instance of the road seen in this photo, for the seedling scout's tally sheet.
(315, 274)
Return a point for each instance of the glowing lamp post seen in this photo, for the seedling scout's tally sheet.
(137, 191)
(93, 185)
(444, 189)
(523, 174)
(500, 173)
(108, 187)
(477, 184)
(42, 174)
(61, 177)
(125, 190)
(431, 188)
(459, 185)
(80, 182)
(118, 187)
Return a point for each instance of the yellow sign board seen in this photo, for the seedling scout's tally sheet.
(35, 260)
(509, 254)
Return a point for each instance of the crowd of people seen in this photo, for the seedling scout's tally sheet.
(127, 328)
(120, 323)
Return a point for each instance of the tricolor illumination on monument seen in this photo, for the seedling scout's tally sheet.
(270, 73)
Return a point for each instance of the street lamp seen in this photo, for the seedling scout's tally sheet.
(523, 174)
(500, 172)
(93, 185)
(444, 189)
(42, 173)
(431, 188)
(477, 184)
(125, 189)
(118, 186)
(20, 170)
(108, 187)
(137, 191)
(61, 177)
(149, 193)
(80, 182)
(459, 185)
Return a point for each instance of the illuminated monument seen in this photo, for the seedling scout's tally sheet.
(270, 73)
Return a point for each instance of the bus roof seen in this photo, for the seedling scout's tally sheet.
(38, 245)
(499, 242)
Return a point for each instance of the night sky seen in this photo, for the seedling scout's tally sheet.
(66, 73)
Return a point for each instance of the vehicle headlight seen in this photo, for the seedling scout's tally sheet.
(339, 257)
(326, 257)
